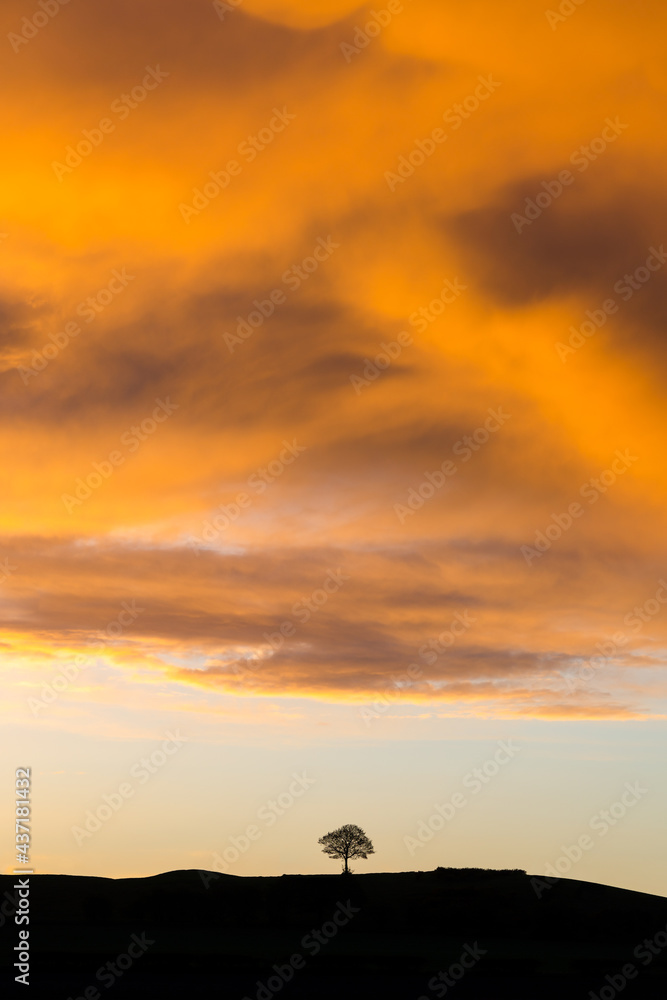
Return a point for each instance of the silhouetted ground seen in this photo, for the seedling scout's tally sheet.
(380, 936)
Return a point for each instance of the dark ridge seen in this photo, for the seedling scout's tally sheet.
(383, 936)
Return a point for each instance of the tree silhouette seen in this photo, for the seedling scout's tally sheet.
(347, 842)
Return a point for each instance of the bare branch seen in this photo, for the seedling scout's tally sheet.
(346, 842)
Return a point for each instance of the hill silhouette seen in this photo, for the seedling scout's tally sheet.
(449, 932)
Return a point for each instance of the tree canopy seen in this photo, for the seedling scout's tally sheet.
(346, 842)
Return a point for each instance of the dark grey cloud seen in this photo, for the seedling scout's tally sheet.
(583, 244)
(284, 372)
(115, 39)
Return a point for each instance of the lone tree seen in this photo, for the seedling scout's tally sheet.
(347, 842)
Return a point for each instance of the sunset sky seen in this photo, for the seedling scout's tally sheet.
(333, 343)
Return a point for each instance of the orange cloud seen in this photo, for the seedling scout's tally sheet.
(275, 243)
